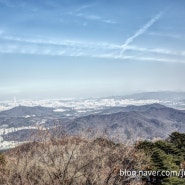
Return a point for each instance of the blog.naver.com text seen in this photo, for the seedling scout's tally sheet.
(159, 173)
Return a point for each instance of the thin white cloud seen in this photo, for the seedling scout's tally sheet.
(57, 47)
(95, 18)
(59, 51)
(174, 36)
(58, 42)
(156, 50)
(141, 31)
(83, 7)
(89, 16)
(160, 59)
(140, 58)
(109, 21)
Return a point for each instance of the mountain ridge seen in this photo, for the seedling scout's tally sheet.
(131, 122)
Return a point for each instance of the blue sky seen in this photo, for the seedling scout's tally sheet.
(85, 48)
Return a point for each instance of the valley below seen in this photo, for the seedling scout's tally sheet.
(142, 116)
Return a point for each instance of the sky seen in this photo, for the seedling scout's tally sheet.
(90, 48)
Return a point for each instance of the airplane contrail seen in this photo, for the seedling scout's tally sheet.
(140, 32)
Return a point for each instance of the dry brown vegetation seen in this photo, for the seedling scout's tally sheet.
(71, 161)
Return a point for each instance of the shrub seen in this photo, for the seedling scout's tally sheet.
(73, 161)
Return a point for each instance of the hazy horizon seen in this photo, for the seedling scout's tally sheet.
(35, 97)
(66, 49)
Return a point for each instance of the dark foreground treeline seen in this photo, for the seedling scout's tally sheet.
(169, 156)
(79, 161)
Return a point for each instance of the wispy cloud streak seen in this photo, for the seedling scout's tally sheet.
(60, 47)
(92, 17)
(60, 42)
(173, 36)
(79, 12)
(84, 7)
(139, 32)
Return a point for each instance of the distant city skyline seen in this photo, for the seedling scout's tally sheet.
(77, 48)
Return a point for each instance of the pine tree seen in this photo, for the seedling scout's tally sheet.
(166, 155)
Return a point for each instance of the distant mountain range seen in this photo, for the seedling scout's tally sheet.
(21, 111)
(161, 95)
(131, 122)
